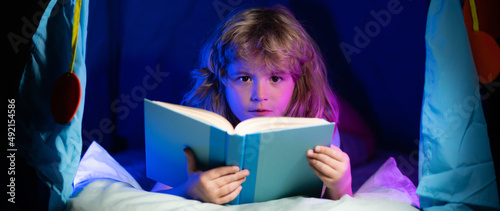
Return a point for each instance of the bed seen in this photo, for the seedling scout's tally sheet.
(102, 183)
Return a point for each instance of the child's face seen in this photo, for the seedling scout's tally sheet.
(254, 92)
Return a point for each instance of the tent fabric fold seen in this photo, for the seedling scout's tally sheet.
(52, 149)
(455, 161)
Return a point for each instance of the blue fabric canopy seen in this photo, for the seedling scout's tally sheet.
(455, 163)
(52, 149)
(140, 49)
(374, 51)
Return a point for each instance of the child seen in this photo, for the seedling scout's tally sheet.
(261, 62)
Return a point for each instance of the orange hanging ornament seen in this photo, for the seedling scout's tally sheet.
(66, 92)
(65, 98)
(484, 48)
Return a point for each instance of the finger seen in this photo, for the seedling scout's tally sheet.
(230, 178)
(318, 173)
(325, 169)
(333, 163)
(221, 171)
(324, 158)
(191, 161)
(229, 197)
(230, 187)
(333, 152)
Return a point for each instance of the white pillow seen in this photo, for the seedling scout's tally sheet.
(96, 164)
(389, 183)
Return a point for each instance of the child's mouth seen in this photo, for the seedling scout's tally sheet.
(261, 112)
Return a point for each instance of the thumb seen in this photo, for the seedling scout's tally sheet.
(191, 161)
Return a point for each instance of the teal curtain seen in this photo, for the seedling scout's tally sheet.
(455, 164)
(53, 150)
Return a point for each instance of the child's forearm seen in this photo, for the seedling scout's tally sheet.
(337, 193)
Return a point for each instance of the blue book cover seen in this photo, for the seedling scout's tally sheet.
(273, 149)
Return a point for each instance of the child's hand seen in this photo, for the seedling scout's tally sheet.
(219, 185)
(332, 166)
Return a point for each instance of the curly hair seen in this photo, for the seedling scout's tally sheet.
(270, 38)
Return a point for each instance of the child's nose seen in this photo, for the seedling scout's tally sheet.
(260, 91)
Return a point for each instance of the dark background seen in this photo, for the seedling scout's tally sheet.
(145, 49)
(127, 41)
(383, 81)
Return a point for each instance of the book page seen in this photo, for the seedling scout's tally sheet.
(260, 124)
(202, 115)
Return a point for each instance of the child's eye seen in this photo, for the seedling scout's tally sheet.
(276, 79)
(244, 78)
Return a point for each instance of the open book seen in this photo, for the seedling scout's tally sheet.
(273, 149)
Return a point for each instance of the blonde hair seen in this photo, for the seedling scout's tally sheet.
(270, 38)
